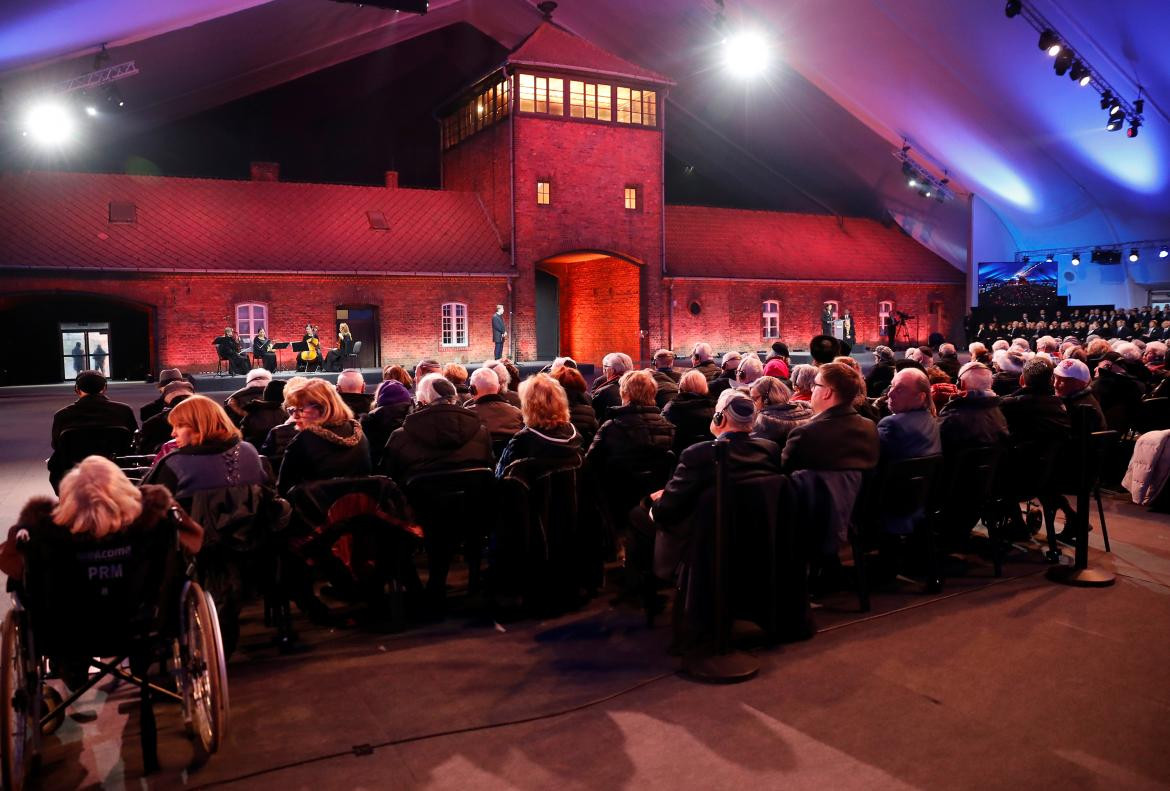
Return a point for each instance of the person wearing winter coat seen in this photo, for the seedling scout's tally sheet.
(690, 411)
(776, 413)
(329, 442)
(438, 435)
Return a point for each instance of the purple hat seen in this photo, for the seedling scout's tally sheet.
(391, 392)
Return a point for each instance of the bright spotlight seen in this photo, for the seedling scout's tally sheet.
(49, 124)
(91, 111)
(1133, 256)
(1076, 259)
(1163, 252)
(746, 54)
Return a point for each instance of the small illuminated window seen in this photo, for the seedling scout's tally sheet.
(556, 96)
(631, 198)
(454, 325)
(542, 193)
(604, 103)
(527, 93)
(770, 319)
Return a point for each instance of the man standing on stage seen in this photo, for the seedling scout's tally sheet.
(498, 331)
(828, 316)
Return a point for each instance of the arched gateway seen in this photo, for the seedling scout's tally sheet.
(587, 305)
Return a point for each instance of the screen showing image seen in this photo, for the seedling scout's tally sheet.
(1016, 284)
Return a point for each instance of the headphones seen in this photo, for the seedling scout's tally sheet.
(717, 418)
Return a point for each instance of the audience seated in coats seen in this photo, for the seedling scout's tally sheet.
(837, 437)
(701, 360)
(457, 375)
(973, 417)
(398, 374)
(948, 360)
(665, 377)
(606, 388)
(210, 452)
(548, 435)
(882, 372)
(1071, 381)
(392, 403)
(803, 377)
(726, 378)
(329, 442)
(635, 429)
(581, 413)
(1008, 367)
(748, 371)
(281, 436)
(253, 390)
(92, 409)
(504, 375)
(664, 363)
(156, 430)
(776, 413)
(860, 403)
(262, 416)
(500, 418)
(438, 435)
(690, 411)
(165, 377)
(1118, 393)
(910, 431)
(351, 385)
(427, 365)
(1035, 412)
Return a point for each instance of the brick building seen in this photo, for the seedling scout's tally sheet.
(551, 204)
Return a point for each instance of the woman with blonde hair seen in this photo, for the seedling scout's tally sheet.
(635, 429)
(329, 442)
(210, 453)
(690, 411)
(335, 359)
(97, 501)
(548, 434)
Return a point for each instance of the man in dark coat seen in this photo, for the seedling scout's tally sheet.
(701, 361)
(253, 390)
(882, 373)
(501, 419)
(634, 428)
(157, 429)
(351, 386)
(837, 438)
(499, 331)
(165, 377)
(606, 393)
(973, 417)
(92, 409)
(438, 435)
(1035, 412)
(948, 361)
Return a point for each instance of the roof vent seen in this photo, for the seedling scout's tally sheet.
(123, 212)
(547, 7)
(377, 221)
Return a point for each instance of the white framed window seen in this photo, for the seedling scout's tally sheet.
(251, 317)
(770, 319)
(454, 324)
(885, 312)
(542, 193)
(632, 198)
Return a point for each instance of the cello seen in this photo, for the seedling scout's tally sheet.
(312, 354)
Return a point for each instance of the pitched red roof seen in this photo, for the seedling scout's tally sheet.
(553, 47)
(736, 243)
(61, 220)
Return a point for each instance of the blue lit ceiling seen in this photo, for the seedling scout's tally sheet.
(966, 86)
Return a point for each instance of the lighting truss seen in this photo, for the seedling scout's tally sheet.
(1131, 110)
(1122, 248)
(95, 79)
(921, 179)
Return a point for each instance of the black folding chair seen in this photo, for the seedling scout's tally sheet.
(1153, 415)
(75, 444)
(456, 508)
(351, 359)
(968, 480)
(1024, 473)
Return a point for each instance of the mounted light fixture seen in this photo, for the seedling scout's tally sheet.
(1050, 42)
(1076, 259)
(1012, 8)
(1164, 251)
(1115, 122)
(1079, 74)
(1049, 259)
(1133, 256)
(1134, 124)
(920, 179)
(1063, 62)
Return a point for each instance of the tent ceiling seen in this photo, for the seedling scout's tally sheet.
(965, 85)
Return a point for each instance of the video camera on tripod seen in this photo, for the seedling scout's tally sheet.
(903, 316)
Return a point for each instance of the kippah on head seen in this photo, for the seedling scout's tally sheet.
(740, 409)
(443, 388)
(823, 348)
(90, 382)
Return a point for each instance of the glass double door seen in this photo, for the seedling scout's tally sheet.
(84, 347)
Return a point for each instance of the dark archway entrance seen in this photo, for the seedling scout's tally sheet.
(34, 324)
(364, 327)
(598, 304)
(548, 316)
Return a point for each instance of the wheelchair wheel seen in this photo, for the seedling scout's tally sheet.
(19, 694)
(205, 690)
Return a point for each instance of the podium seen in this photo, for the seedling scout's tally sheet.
(838, 329)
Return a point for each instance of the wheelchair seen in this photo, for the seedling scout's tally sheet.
(86, 604)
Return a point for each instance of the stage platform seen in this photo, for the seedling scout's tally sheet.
(209, 382)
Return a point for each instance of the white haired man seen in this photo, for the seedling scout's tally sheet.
(701, 360)
(499, 417)
(606, 388)
(973, 417)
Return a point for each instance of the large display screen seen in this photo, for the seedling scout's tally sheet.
(1017, 284)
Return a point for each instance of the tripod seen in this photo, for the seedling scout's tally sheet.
(901, 334)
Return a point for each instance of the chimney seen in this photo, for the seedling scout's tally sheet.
(391, 179)
(265, 171)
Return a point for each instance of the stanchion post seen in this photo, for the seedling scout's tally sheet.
(1079, 573)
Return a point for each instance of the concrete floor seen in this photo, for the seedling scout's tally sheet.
(996, 683)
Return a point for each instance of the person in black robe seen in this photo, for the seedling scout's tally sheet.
(262, 348)
(228, 348)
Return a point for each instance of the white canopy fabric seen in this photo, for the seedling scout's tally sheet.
(966, 86)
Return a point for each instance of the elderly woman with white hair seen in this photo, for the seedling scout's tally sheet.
(880, 375)
(776, 413)
(438, 435)
(606, 391)
(803, 376)
(97, 501)
(973, 417)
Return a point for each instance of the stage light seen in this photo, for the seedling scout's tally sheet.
(1163, 252)
(746, 54)
(1062, 63)
(1012, 8)
(1106, 100)
(1050, 43)
(1115, 123)
(1026, 259)
(912, 183)
(1049, 259)
(49, 124)
(1133, 256)
(90, 110)
(1133, 128)
(1076, 259)
(1139, 105)
(1079, 74)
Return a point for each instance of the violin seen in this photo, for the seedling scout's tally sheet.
(312, 353)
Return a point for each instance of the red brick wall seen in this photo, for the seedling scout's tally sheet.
(608, 288)
(192, 309)
(480, 164)
(588, 166)
(730, 316)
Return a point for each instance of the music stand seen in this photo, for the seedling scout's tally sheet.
(278, 347)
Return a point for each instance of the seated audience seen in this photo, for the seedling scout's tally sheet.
(329, 442)
(701, 361)
(882, 372)
(777, 365)
(803, 377)
(97, 502)
(438, 435)
(948, 360)
(1008, 368)
(823, 348)
(156, 430)
(979, 354)
(633, 428)
(392, 403)
(581, 413)
(165, 377)
(607, 387)
(1035, 412)
(749, 370)
(691, 411)
(776, 413)
(92, 409)
(1118, 393)
(279, 438)
(726, 377)
(665, 377)
(210, 452)
(264, 415)
(664, 364)
(910, 430)
(504, 375)
(1071, 382)
(456, 374)
(837, 438)
(500, 418)
(427, 365)
(398, 374)
(973, 417)
(253, 390)
(548, 434)
(351, 385)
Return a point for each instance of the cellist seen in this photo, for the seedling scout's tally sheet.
(310, 359)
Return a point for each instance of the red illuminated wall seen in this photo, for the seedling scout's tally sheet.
(599, 303)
